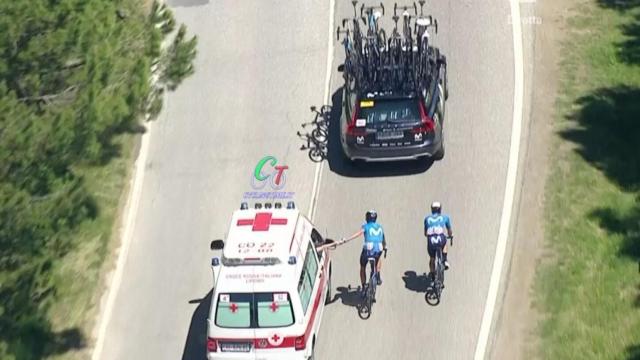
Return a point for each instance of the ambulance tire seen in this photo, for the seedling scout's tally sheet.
(313, 349)
(327, 300)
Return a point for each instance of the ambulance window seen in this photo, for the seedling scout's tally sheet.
(274, 309)
(234, 310)
(254, 310)
(308, 277)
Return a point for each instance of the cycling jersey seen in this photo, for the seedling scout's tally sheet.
(436, 227)
(373, 237)
(436, 224)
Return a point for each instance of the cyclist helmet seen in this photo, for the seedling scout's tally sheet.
(436, 207)
(371, 216)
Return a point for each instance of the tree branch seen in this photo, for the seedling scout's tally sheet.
(49, 97)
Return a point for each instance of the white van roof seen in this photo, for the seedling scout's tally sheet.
(263, 248)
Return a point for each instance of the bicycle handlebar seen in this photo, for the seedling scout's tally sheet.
(371, 8)
(405, 8)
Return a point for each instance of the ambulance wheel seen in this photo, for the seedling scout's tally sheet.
(327, 300)
(313, 349)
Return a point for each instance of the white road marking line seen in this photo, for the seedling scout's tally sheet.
(509, 192)
(131, 211)
(327, 94)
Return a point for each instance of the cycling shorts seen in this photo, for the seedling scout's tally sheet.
(364, 256)
(432, 246)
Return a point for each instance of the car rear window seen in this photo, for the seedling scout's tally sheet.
(254, 310)
(393, 111)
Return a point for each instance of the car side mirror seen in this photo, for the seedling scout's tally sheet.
(217, 245)
(341, 68)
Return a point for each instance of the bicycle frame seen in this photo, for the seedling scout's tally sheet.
(439, 267)
(438, 282)
(321, 117)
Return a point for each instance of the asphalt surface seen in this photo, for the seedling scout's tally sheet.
(260, 66)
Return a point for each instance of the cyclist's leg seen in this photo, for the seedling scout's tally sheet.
(444, 253)
(432, 254)
(379, 267)
(363, 268)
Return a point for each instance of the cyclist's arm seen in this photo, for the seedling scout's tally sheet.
(355, 235)
(384, 241)
(449, 230)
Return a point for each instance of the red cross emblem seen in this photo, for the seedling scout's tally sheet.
(233, 307)
(273, 306)
(275, 340)
(262, 221)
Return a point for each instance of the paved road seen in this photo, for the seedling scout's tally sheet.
(260, 65)
(476, 36)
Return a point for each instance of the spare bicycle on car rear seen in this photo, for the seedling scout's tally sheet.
(395, 87)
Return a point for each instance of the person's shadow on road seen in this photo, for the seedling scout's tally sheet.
(347, 295)
(195, 346)
(415, 282)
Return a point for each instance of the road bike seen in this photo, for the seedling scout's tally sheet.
(321, 123)
(318, 150)
(375, 43)
(407, 44)
(434, 292)
(353, 46)
(366, 307)
(395, 55)
(350, 59)
(426, 53)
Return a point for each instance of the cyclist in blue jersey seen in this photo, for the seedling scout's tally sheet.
(434, 229)
(374, 244)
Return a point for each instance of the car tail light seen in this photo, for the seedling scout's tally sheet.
(212, 345)
(427, 124)
(351, 127)
(300, 343)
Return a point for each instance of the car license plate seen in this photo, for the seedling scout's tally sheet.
(388, 135)
(235, 347)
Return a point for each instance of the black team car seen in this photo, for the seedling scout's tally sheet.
(394, 98)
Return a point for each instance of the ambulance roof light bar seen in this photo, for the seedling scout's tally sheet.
(250, 261)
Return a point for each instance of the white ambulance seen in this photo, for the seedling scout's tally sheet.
(270, 286)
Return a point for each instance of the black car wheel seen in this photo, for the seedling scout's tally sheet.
(439, 155)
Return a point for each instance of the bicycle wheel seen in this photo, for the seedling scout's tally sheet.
(320, 134)
(318, 153)
(324, 126)
(435, 290)
(364, 308)
(432, 295)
